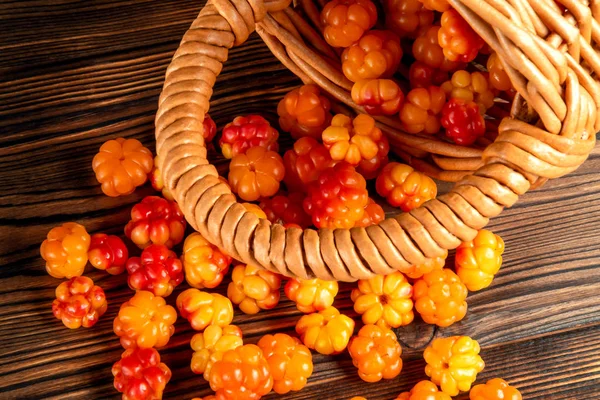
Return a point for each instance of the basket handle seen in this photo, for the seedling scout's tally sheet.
(521, 155)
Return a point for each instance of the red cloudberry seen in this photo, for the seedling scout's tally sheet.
(245, 132)
(463, 122)
(157, 270)
(338, 198)
(155, 220)
(108, 253)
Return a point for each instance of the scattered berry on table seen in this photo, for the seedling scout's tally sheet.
(378, 96)
(204, 264)
(242, 374)
(338, 198)
(477, 261)
(421, 75)
(256, 173)
(424, 390)
(345, 21)
(404, 187)
(311, 295)
(373, 214)
(210, 345)
(407, 18)
(327, 331)
(255, 209)
(470, 86)
(79, 302)
(155, 220)
(376, 353)
(353, 140)
(376, 55)
(440, 297)
(436, 5)
(453, 363)
(202, 309)
(463, 122)
(140, 375)
(145, 321)
(427, 49)
(65, 250)
(157, 182)
(304, 112)
(121, 165)
(246, 132)
(457, 38)
(430, 264)
(384, 300)
(495, 389)
(108, 253)
(157, 270)
(253, 288)
(290, 362)
(421, 111)
(286, 209)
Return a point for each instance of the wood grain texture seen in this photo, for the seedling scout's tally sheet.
(74, 74)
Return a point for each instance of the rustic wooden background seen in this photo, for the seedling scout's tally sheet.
(76, 73)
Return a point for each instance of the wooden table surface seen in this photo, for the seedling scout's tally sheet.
(74, 74)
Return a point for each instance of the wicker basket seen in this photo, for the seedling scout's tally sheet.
(548, 52)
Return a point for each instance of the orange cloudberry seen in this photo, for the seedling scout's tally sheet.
(121, 165)
(407, 18)
(345, 21)
(495, 389)
(375, 351)
(256, 173)
(202, 309)
(427, 49)
(253, 288)
(376, 55)
(378, 96)
(311, 295)
(440, 297)
(479, 260)
(421, 111)
(352, 140)
(326, 332)
(469, 87)
(456, 37)
(210, 345)
(384, 300)
(424, 390)
(436, 5)
(242, 374)
(373, 214)
(65, 250)
(204, 264)
(145, 321)
(453, 363)
(290, 362)
(404, 187)
(304, 112)
(430, 264)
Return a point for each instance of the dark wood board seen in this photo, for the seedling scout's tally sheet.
(76, 73)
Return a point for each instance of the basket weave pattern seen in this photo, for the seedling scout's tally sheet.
(548, 52)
